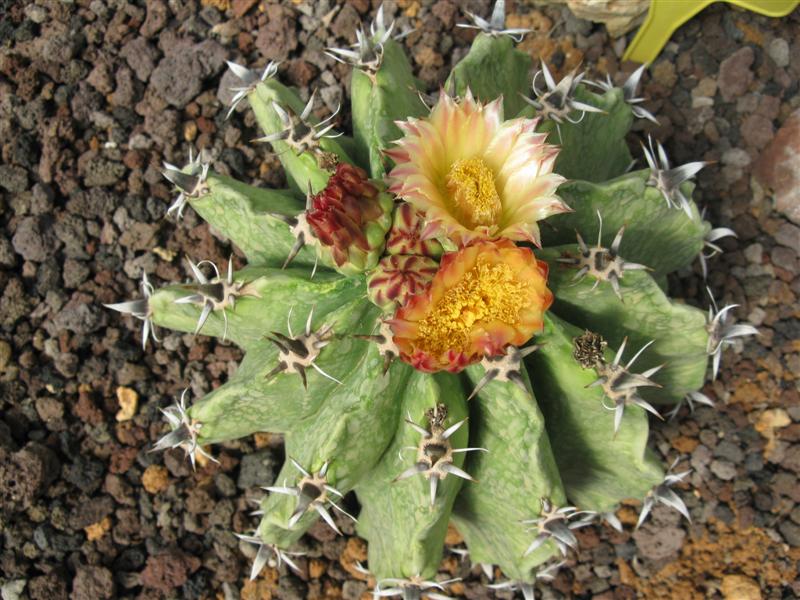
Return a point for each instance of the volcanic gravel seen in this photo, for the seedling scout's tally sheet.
(95, 94)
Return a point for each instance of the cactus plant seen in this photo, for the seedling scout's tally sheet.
(428, 320)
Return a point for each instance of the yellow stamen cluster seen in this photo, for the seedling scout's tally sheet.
(488, 292)
(472, 188)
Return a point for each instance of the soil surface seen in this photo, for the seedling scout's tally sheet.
(95, 94)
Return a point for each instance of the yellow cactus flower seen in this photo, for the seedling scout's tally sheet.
(473, 175)
(486, 296)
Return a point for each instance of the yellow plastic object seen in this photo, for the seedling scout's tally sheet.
(665, 16)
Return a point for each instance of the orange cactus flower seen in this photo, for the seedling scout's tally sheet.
(484, 297)
(475, 176)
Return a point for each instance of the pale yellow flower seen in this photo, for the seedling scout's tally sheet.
(473, 175)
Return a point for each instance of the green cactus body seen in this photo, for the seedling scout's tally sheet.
(405, 533)
(492, 68)
(303, 170)
(351, 429)
(644, 314)
(650, 225)
(250, 218)
(401, 368)
(597, 468)
(522, 470)
(378, 100)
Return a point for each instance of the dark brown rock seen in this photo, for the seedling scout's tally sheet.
(24, 475)
(92, 583)
(34, 239)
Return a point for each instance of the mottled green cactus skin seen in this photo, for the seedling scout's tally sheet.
(494, 68)
(415, 545)
(597, 470)
(517, 471)
(378, 101)
(555, 442)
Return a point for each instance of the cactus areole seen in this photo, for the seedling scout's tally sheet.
(424, 327)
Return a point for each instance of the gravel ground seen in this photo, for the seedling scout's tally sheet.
(95, 94)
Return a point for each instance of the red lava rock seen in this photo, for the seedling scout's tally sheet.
(757, 131)
(47, 587)
(199, 501)
(301, 72)
(241, 7)
(34, 240)
(122, 459)
(735, 75)
(778, 168)
(92, 583)
(24, 475)
(86, 410)
(278, 37)
(168, 571)
(157, 15)
(141, 57)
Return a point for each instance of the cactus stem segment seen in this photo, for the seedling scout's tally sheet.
(367, 53)
(215, 294)
(184, 432)
(721, 332)
(526, 587)
(265, 553)
(663, 494)
(190, 181)
(557, 101)
(141, 310)
(496, 25)
(629, 93)
(296, 354)
(250, 79)
(312, 492)
(505, 367)
(384, 339)
(554, 524)
(604, 264)
(301, 135)
(668, 180)
(434, 452)
(412, 588)
(620, 385)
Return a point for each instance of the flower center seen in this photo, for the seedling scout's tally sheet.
(471, 186)
(488, 292)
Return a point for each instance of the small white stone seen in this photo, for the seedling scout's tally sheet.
(778, 51)
(754, 253)
(756, 316)
(736, 157)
